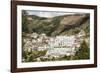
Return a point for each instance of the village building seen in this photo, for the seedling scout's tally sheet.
(34, 35)
(29, 18)
(55, 46)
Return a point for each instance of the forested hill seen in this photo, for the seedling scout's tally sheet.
(59, 25)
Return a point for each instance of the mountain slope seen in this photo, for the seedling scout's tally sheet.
(65, 24)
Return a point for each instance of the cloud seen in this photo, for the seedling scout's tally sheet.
(48, 14)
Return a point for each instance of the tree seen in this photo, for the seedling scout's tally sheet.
(24, 12)
(24, 21)
(83, 52)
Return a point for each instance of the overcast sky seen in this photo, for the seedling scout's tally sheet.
(48, 14)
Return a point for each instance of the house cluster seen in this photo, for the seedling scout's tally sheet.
(55, 46)
(61, 45)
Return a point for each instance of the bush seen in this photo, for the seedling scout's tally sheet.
(83, 52)
(33, 55)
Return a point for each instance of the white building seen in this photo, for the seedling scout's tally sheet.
(57, 46)
(61, 41)
(34, 35)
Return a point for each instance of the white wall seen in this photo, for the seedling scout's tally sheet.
(5, 36)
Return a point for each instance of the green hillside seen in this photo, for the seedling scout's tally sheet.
(66, 24)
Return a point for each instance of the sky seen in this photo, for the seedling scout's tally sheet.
(48, 14)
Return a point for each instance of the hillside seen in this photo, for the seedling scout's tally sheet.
(65, 24)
